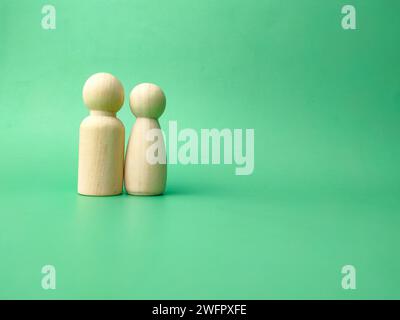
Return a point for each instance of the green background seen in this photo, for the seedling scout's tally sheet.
(325, 192)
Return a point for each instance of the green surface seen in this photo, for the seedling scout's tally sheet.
(324, 103)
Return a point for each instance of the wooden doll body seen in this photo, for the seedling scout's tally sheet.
(101, 155)
(141, 176)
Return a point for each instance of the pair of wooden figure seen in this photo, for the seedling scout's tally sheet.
(102, 169)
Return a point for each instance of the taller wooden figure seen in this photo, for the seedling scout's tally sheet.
(101, 138)
(145, 162)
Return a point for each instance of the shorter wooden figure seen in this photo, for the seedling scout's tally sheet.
(145, 162)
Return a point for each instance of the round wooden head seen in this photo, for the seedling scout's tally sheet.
(147, 100)
(103, 92)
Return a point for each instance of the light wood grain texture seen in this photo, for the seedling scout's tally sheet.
(101, 138)
(147, 103)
